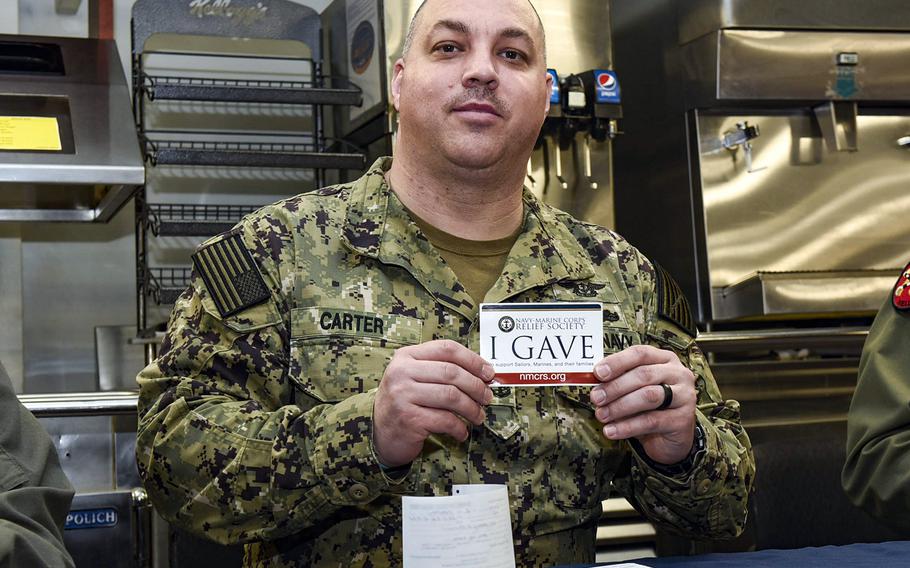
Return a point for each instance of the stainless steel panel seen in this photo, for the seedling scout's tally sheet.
(74, 278)
(85, 447)
(802, 65)
(803, 207)
(778, 294)
(11, 304)
(578, 36)
(117, 359)
(789, 393)
(700, 17)
(106, 160)
(702, 210)
(849, 339)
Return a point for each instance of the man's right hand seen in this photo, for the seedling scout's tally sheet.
(428, 389)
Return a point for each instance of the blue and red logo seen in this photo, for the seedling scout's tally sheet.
(606, 87)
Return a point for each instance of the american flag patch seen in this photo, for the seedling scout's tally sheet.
(230, 275)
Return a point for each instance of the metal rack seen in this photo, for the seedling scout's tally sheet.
(298, 82)
(317, 92)
(305, 154)
(166, 283)
(186, 220)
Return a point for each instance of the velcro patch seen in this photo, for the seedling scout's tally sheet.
(672, 304)
(900, 297)
(230, 275)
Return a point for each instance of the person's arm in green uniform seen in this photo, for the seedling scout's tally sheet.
(876, 474)
(35, 495)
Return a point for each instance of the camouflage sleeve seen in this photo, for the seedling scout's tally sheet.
(710, 500)
(222, 449)
(876, 474)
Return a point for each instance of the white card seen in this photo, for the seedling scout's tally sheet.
(471, 529)
(542, 344)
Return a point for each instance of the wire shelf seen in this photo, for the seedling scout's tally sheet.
(182, 220)
(302, 155)
(323, 91)
(165, 284)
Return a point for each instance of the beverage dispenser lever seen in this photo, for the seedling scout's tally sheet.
(904, 142)
(741, 137)
(588, 173)
(562, 181)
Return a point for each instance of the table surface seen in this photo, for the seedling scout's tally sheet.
(878, 555)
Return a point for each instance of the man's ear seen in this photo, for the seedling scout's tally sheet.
(546, 109)
(396, 82)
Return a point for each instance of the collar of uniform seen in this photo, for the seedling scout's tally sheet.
(378, 226)
(367, 204)
(545, 252)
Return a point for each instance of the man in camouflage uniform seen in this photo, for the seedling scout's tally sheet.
(876, 474)
(323, 363)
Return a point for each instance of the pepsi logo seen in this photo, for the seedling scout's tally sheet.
(606, 81)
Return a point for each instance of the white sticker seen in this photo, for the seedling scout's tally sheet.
(542, 344)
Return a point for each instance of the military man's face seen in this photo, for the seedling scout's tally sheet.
(474, 88)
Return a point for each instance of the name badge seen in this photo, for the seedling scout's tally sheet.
(542, 344)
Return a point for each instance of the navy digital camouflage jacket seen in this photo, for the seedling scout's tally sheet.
(255, 420)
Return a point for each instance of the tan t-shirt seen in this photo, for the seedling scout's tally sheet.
(477, 264)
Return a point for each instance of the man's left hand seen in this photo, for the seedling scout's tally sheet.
(630, 393)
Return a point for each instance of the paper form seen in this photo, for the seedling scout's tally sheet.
(470, 529)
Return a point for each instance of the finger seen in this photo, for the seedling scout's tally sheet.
(447, 397)
(453, 352)
(638, 378)
(639, 401)
(616, 364)
(647, 423)
(444, 373)
(434, 421)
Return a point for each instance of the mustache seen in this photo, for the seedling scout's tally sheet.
(480, 94)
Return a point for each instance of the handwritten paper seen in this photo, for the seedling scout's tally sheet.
(470, 529)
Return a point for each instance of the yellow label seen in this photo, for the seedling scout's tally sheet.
(29, 133)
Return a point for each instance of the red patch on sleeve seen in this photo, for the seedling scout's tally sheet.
(900, 297)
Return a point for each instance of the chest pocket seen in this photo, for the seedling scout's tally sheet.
(337, 353)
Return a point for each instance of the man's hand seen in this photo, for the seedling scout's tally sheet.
(428, 389)
(630, 393)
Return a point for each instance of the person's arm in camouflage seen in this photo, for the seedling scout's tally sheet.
(222, 448)
(707, 496)
(876, 474)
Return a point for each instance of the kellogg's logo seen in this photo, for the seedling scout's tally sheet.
(223, 9)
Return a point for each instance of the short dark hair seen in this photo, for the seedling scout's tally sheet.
(409, 38)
